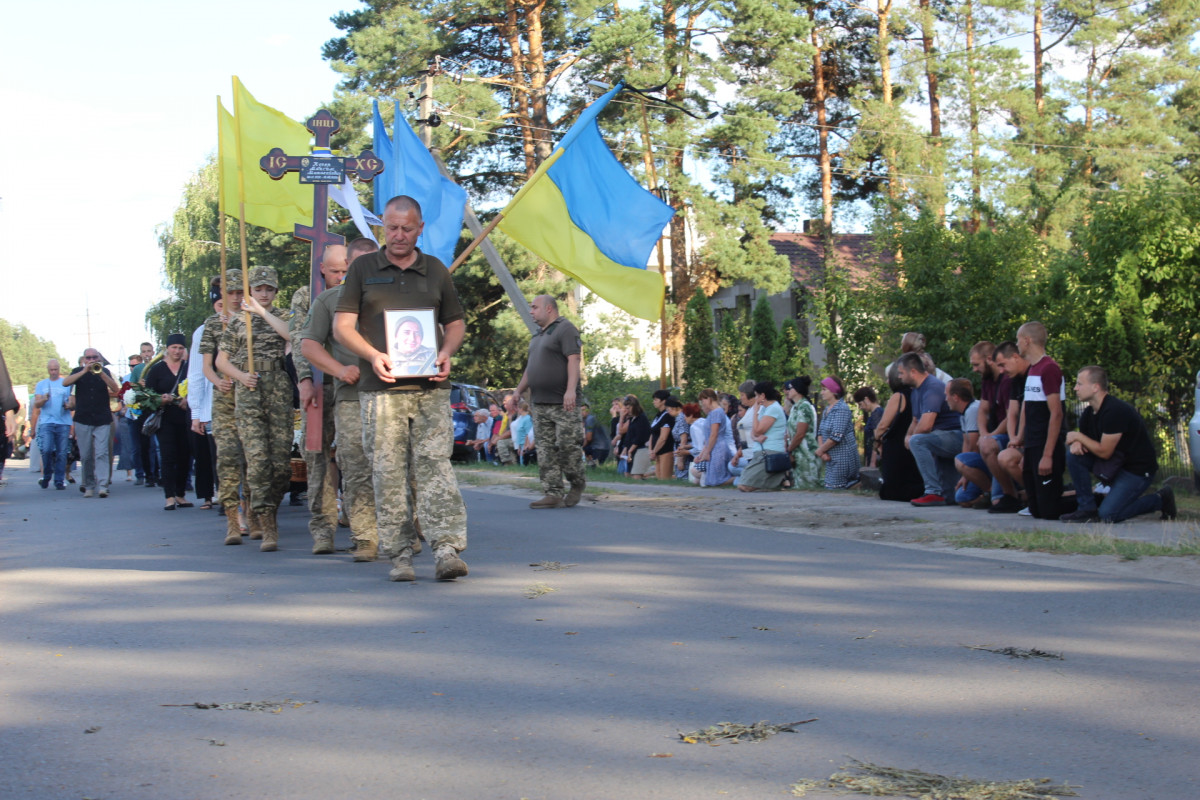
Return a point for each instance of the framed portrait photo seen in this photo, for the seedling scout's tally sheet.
(411, 342)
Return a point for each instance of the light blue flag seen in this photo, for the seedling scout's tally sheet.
(410, 169)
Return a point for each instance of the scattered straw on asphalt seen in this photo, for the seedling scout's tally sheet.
(1016, 652)
(543, 566)
(878, 781)
(538, 589)
(736, 732)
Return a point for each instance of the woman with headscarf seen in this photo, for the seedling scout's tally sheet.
(802, 434)
(174, 449)
(837, 446)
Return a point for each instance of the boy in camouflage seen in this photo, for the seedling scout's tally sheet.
(231, 464)
(263, 401)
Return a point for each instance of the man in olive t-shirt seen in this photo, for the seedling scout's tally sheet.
(406, 421)
(552, 376)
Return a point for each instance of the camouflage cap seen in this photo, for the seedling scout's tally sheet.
(232, 276)
(260, 276)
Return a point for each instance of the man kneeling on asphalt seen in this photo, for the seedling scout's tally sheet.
(1112, 443)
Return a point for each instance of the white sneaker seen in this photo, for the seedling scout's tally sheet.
(104, 492)
(87, 492)
(1025, 512)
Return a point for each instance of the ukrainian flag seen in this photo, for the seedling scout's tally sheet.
(584, 214)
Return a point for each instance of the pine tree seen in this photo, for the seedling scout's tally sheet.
(699, 369)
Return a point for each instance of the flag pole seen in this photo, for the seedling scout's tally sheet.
(652, 175)
(221, 216)
(478, 240)
(237, 121)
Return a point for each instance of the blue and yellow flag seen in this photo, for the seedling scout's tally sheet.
(584, 214)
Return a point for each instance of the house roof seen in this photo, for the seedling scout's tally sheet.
(856, 251)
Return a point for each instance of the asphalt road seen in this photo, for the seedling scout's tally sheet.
(116, 615)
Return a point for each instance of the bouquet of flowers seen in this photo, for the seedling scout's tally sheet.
(140, 400)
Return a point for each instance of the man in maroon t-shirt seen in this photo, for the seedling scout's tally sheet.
(1041, 432)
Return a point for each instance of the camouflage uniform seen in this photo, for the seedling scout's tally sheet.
(231, 463)
(358, 493)
(322, 483)
(407, 426)
(264, 415)
(559, 437)
(398, 426)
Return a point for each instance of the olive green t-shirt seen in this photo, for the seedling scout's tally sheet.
(547, 367)
(375, 285)
(320, 330)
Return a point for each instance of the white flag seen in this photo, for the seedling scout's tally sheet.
(347, 198)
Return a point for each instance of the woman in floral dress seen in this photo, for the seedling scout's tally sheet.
(802, 435)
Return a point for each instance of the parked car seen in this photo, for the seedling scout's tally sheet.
(464, 400)
(1194, 435)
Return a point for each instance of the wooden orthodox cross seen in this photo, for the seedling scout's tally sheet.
(321, 168)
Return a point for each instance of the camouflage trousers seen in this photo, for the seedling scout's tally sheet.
(265, 425)
(558, 434)
(322, 481)
(413, 432)
(357, 492)
(231, 463)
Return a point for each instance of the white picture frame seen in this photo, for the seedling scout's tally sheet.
(411, 342)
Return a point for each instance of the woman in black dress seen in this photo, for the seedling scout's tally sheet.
(175, 451)
(635, 443)
(899, 477)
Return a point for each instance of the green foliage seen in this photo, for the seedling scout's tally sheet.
(847, 319)
(762, 341)
(958, 288)
(699, 350)
(732, 345)
(26, 354)
(1132, 297)
(790, 356)
(605, 382)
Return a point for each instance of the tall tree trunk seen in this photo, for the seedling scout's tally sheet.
(935, 98)
(973, 117)
(824, 158)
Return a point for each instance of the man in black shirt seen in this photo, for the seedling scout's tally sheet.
(93, 420)
(1112, 441)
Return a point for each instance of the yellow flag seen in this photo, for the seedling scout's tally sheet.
(246, 136)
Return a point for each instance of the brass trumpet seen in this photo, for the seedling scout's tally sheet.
(96, 367)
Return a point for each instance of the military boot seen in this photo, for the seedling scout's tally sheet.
(366, 550)
(233, 531)
(448, 565)
(323, 544)
(270, 540)
(402, 568)
(256, 524)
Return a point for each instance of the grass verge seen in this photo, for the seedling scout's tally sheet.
(1086, 544)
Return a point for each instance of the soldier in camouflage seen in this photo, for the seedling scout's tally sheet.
(322, 479)
(552, 376)
(263, 399)
(231, 463)
(406, 420)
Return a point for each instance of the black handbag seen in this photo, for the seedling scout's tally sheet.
(152, 422)
(778, 462)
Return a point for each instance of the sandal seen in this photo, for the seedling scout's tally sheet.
(186, 505)
(206, 505)
(169, 508)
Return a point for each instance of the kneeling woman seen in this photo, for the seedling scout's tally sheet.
(769, 431)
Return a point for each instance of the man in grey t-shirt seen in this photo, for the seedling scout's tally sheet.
(552, 376)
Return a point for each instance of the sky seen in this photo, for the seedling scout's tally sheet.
(108, 109)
